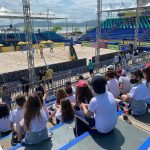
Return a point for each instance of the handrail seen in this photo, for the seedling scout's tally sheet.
(60, 80)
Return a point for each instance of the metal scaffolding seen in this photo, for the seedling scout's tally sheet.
(98, 30)
(136, 36)
(28, 35)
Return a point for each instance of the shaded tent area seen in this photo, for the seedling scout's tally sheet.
(123, 137)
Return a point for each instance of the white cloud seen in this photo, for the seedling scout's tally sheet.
(79, 10)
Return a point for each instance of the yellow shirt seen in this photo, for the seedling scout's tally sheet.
(49, 74)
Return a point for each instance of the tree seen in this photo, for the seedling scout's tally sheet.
(77, 31)
(56, 29)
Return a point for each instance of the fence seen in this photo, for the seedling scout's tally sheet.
(70, 75)
(16, 75)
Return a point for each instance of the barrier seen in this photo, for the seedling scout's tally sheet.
(8, 49)
(113, 47)
(56, 67)
(61, 77)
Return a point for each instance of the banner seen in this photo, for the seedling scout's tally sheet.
(8, 49)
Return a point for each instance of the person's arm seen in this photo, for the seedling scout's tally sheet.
(125, 97)
(12, 120)
(12, 127)
(86, 111)
(45, 95)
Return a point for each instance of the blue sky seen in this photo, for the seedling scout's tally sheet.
(77, 10)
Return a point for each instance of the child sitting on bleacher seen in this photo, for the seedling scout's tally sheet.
(112, 84)
(146, 74)
(124, 81)
(4, 119)
(60, 94)
(70, 95)
(65, 111)
(138, 94)
(6, 95)
(35, 121)
(83, 92)
(102, 106)
(17, 114)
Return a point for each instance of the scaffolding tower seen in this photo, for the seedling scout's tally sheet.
(28, 36)
(98, 31)
(136, 36)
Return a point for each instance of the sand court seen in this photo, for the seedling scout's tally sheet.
(12, 61)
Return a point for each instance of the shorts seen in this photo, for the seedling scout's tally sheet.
(91, 71)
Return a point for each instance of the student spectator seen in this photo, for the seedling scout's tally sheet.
(138, 94)
(135, 55)
(70, 95)
(69, 85)
(146, 74)
(17, 114)
(35, 121)
(112, 84)
(40, 88)
(81, 77)
(83, 92)
(116, 60)
(60, 94)
(110, 68)
(65, 112)
(4, 118)
(127, 56)
(41, 73)
(102, 106)
(25, 85)
(41, 96)
(6, 95)
(124, 82)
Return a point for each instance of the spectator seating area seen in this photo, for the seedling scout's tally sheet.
(63, 138)
(113, 28)
(36, 37)
(119, 138)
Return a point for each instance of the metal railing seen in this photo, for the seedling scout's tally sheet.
(71, 75)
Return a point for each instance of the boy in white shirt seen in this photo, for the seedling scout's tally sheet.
(17, 115)
(137, 95)
(116, 60)
(102, 106)
(124, 82)
(112, 84)
(70, 95)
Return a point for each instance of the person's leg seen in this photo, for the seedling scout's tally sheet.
(20, 131)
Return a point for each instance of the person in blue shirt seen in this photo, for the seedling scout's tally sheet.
(91, 67)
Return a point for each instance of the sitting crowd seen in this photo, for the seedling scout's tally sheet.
(99, 98)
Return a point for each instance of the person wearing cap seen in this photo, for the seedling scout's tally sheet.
(83, 92)
(111, 68)
(102, 106)
(124, 81)
(69, 85)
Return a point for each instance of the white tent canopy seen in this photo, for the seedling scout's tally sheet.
(3, 9)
